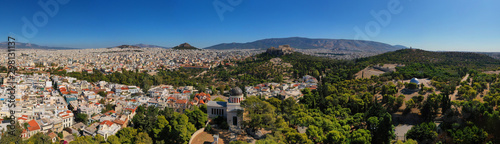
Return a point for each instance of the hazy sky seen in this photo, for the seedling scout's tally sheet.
(450, 25)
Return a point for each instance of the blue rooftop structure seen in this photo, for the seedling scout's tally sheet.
(70, 98)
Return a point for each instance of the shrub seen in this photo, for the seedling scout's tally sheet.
(208, 128)
(412, 86)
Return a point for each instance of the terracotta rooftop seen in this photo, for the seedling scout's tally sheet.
(107, 122)
(181, 101)
(33, 125)
(52, 135)
(120, 122)
(203, 94)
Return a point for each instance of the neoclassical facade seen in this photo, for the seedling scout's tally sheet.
(231, 110)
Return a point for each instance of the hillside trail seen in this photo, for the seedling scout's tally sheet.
(454, 95)
(202, 73)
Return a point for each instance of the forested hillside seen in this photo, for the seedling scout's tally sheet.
(347, 110)
(445, 59)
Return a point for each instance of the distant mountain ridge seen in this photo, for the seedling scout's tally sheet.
(140, 45)
(308, 43)
(295, 42)
(20, 45)
(127, 46)
(401, 46)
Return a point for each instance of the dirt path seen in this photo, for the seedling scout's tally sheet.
(202, 73)
(368, 72)
(454, 95)
(492, 72)
(465, 78)
(205, 137)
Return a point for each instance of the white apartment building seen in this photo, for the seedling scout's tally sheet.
(67, 117)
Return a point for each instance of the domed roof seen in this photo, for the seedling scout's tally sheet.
(414, 80)
(236, 91)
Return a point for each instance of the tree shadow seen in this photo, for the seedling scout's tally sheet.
(407, 91)
(409, 119)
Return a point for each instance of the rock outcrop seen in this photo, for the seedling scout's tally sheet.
(281, 50)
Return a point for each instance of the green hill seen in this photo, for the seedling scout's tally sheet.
(185, 46)
(444, 67)
(453, 59)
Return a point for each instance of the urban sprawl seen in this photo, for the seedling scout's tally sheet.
(50, 103)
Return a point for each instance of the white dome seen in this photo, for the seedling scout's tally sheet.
(414, 80)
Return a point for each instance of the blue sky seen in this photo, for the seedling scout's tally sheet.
(449, 25)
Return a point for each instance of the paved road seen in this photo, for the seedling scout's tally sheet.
(401, 130)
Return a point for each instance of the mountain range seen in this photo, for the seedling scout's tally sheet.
(295, 42)
(20, 45)
(140, 46)
(308, 43)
